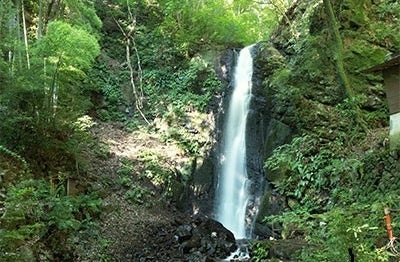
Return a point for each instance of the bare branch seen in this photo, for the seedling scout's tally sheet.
(138, 94)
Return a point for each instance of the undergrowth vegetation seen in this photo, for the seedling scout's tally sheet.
(335, 177)
(39, 220)
(151, 65)
(335, 197)
(195, 86)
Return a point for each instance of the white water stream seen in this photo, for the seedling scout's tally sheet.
(232, 189)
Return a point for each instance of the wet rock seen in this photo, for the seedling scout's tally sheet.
(201, 189)
(190, 245)
(287, 249)
(209, 238)
(183, 233)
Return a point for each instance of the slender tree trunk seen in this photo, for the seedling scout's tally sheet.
(12, 29)
(49, 9)
(139, 90)
(39, 32)
(140, 75)
(18, 40)
(53, 10)
(45, 86)
(339, 50)
(53, 96)
(347, 90)
(138, 100)
(25, 35)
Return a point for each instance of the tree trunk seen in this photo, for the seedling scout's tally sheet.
(53, 96)
(53, 9)
(17, 48)
(339, 50)
(46, 87)
(25, 35)
(12, 28)
(39, 32)
(347, 90)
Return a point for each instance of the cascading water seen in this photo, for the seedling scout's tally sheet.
(232, 189)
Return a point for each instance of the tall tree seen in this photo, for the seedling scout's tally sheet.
(347, 90)
(70, 51)
(25, 34)
(216, 22)
(42, 102)
(339, 50)
(40, 18)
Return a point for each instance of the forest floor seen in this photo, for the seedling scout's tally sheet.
(138, 230)
(134, 231)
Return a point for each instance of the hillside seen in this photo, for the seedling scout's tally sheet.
(111, 119)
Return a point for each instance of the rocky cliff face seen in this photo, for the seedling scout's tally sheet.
(200, 193)
(266, 130)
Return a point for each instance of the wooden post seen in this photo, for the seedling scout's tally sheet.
(388, 223)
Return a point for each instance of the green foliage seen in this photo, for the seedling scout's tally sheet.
(307, 175)
(158, 171)
(39, 105)
(83, 14)
(321, 182)
(168, 38)
(42, 128)
(356, 226)
(184, 139)
(334, 183)
(6, 151)
(384, 28)
(125, 170)
(35, 213)
(259, 251)
(74, 47)
(194, 86)
(139, 195)
(216, 22)
(106, 88)
(13, 169)
(134, 192)
(155, 167)
(47, 146)
(42, 107)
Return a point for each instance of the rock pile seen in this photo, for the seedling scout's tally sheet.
(205, 239)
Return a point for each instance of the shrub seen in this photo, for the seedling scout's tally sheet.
(37, 214)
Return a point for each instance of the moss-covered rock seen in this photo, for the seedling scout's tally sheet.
(268, 59)
(307, 97)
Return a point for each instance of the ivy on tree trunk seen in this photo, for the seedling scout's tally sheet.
(339, 50)
(349, 94)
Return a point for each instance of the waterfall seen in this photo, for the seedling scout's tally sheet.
(232, 188)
